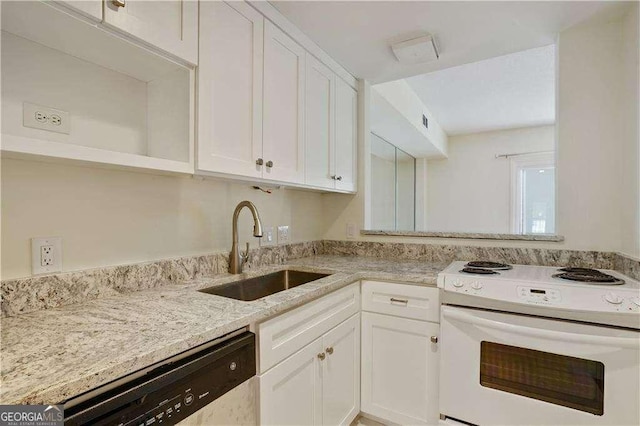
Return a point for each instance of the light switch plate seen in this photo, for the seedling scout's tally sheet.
(351, 230)
(283, 234)
(46, 255)
(268, 237)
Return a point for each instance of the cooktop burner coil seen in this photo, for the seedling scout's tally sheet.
(481, 271)
(488, 265)
(590, 277)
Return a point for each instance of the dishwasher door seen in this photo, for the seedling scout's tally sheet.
(170, 391)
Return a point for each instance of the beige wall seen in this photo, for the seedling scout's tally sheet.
(473, 170)
(110, 217)
(591, 148)
(631, 119)
(592, 144)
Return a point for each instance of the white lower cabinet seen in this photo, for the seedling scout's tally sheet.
(400, 363)
(319, 384)
(291, 392)
(325, 362)
(341, 373)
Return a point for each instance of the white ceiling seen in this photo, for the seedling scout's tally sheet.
(358, 34)
(516, 90)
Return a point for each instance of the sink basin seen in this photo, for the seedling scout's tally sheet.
(255, 288)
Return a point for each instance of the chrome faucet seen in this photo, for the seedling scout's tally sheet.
(237, 259)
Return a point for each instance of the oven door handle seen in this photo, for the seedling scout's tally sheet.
(611, 342)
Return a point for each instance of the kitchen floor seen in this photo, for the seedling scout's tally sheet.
(363, 421)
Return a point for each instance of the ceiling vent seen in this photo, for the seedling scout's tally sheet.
(416, 50)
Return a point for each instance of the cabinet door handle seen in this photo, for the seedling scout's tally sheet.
(322, 356)
(269, 164)
(259, 161)
(329, 350)
(434, 339)
(334, 177)
(118, 3)
(339, 178)
(403, 301)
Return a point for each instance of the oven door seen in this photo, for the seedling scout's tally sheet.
(512, 369)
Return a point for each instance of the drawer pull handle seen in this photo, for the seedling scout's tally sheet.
(403, 301)
(118, 3)
(233, 366)
(434, 339)
(329, 350)
(322, 356)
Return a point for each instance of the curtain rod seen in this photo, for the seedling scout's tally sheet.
(516, 154)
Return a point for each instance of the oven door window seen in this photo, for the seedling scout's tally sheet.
(563, 380)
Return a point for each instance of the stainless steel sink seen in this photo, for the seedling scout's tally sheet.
(255, 288)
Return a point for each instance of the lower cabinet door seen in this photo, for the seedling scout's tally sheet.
(399, 369)
(291, 392)
(341, 373)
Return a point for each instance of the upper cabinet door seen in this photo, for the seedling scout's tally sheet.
(230, 89)
(319, 124)
(346, 145)
(341, 373)
(89, 8)
(283, 137)
(171, 26)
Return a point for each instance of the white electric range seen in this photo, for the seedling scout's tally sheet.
(523, 345)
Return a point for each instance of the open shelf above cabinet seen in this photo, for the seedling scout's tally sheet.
(125, 106)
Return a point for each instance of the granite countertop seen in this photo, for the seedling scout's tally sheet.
(51, 355)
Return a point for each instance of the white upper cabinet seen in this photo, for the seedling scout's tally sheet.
(268, 109)
(118, 104)
(330, 129)
(171, 26)
(320, 120)
(90, 8)
(283, 107)
(230, 89)
(346, 137)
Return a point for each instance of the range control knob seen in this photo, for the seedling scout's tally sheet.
(613, 298)
(458, 283)
(476, 285)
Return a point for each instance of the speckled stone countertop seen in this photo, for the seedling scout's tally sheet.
(51, 355)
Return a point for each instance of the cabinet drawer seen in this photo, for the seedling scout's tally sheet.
(403, 300)
(287, 333)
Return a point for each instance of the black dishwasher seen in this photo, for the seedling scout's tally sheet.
(171, 390)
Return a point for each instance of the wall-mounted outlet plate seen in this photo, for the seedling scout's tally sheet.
(268, 237)
(46, 255)
(46, 118)
(283, 234)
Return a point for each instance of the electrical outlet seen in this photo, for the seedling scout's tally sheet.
(46, 118)
(283, 234)
(46, 255)
(351, 230)
(268, 237)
